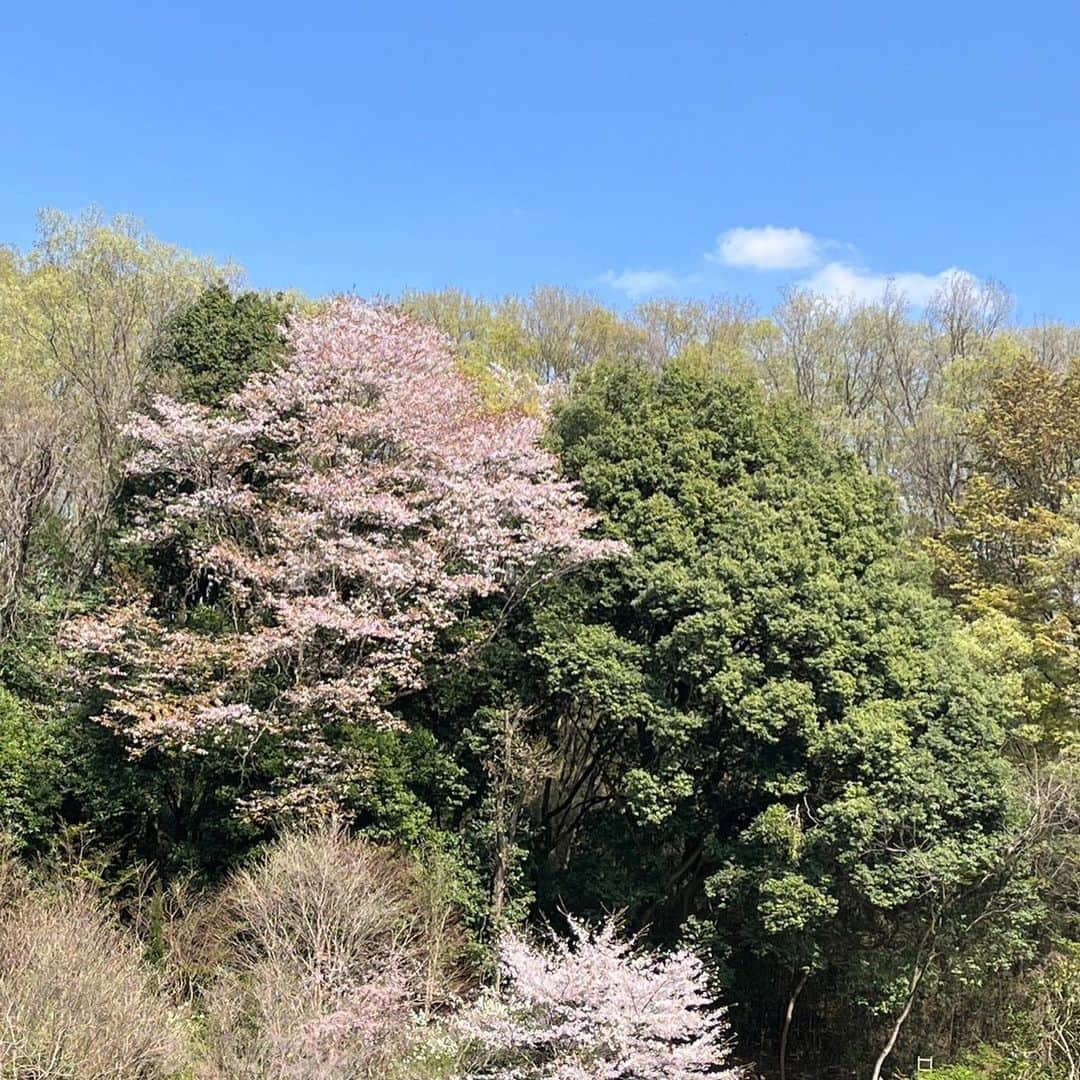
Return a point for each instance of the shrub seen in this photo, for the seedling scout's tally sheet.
(77, 998)
(29, 795)
(12, 874)
(335, 944)
(594, 1007)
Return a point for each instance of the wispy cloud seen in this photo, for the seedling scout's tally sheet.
(827, 267)
(767, 247)
(771, 248)
(638, 283)
(841, 281)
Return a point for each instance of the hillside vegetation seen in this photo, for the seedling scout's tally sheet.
(523, 689)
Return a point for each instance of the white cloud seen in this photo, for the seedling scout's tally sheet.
(829, 268)
(767, 248)
(638, 283)
(841, 281)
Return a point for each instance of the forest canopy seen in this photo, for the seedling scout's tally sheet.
(521, 688)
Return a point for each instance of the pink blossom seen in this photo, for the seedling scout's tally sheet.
(593, 1007)
(342, 512)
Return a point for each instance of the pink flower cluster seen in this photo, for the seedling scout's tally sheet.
(342, 510)
(592, 1007)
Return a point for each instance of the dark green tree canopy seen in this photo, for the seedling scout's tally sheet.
(761, 709)
(219, 340)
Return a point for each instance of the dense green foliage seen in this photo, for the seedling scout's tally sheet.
(766, 738)
(213, 345)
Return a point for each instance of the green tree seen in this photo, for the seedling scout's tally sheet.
(517, 344)
(764, 735)
(80, 315)
(1011, 560)
(213, 345)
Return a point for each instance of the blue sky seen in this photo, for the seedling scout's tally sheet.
(617, 148)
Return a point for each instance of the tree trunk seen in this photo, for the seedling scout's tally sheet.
(887, 1049)
(788, 1014)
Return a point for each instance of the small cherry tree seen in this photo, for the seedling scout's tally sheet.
(593, 1007)
(327, 526)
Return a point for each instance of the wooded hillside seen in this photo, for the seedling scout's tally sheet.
(521, 688)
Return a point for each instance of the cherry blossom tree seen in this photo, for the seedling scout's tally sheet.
(592, 1007)
(329, 525)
